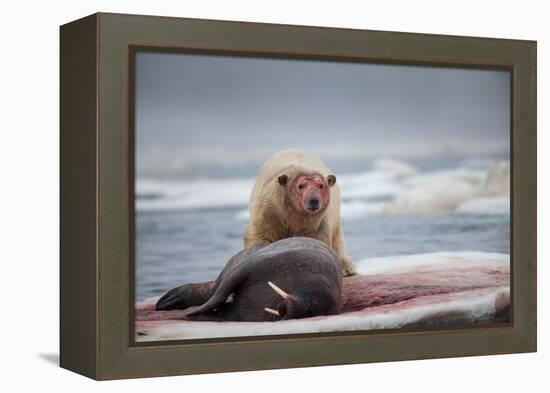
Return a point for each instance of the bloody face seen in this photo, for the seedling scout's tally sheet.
(309, 194)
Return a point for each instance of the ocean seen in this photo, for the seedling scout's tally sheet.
(188, 227)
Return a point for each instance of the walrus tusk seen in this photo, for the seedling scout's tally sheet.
(272, 311)
(279, 291)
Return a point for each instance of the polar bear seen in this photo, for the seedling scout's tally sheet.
(295, 194)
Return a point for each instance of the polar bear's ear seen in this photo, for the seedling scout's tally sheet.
(283, 179)
(331, 180)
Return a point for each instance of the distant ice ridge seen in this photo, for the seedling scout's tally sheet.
(192, 194)
(448, 190)
(489, 205)
(391, 187)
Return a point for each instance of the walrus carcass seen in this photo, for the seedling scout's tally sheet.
(296, 277)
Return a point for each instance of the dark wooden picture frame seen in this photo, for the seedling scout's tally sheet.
(97, 201)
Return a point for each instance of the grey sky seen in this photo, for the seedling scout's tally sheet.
(197, 109)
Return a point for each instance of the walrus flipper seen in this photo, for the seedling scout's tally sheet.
(185, 296)
(231, 277)
(214, 302)
(220, 295)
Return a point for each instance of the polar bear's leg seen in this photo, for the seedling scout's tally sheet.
(348, 269)
(249, 238)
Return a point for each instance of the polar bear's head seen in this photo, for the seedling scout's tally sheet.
(308, 193)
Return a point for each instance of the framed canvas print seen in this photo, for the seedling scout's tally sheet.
(241, 196)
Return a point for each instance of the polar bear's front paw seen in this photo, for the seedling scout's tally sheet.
(348, 269)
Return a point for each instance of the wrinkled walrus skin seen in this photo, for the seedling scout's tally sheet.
(305, 276)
